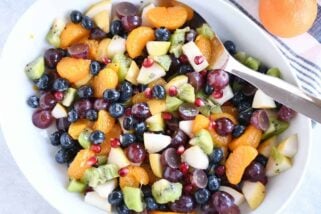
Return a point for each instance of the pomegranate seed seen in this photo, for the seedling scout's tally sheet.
(92, 161)
(148, 93)
(123, 171)
(59, 96)
(198, 60)
(106, 60)
(128, 111)
(148, 62)
(172, 91)
(95, 148)
(114, 142)
(199, 102)
(217, 94)
(220, 171)
(180, 150)
(188, 189)
(167, 116)
(184, 168)
(183, 59)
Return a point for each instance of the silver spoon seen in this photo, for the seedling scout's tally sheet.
(281, 91)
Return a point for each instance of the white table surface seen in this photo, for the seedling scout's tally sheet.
(18, 196)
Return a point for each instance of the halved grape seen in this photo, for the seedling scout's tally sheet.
(42, 118)
(179, 138)
(79, 51)
(136, 153)
(62, 124)
(199, 178)
(100, 104)
(260, 120)
(170, 158)
(173, 175)
(218, 79)
(126, 9)
(224, 126)
(286, 113)
(47, 101)
(196, 79)
(188, 111)
(255, 172)
(184, 204)
(131, 22)
(224, 203)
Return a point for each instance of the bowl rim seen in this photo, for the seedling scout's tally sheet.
(33, 183)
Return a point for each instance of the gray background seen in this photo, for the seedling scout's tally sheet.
(17, 196)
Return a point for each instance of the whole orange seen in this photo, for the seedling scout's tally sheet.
(287, 18)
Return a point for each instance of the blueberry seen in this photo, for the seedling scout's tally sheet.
(230, 47)
(61, 84)
(126, 91)
(66, 141)
(202, 196)
(33, 101)
(111, 95)
(238, 98)
(216, 155)
(213, 183)
(184, 69)
(147, 190)
(85, 91)
(55, 138)
(116, 110)
(129, 123)
(95, 67)
(245, 116)
(261, 159)
(208, 90)
(162, 34)
(158, 92)
(115, 198)
(140, 128)
(151, 203)
(62, 156)
(76, 16)
(72, 116)
(97, 137)
(91, 115)
(238, 131)
(44, 82)
(116, 28)
(87, 23)
(127, 139)
(122, 209)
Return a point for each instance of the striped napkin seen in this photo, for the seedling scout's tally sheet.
(303, 52)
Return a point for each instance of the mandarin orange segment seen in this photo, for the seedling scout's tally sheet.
(251, 137)
(128, 181)
(168, 17)
(204, 44)
(73, 69)
(137, 40)
(105, 122)
(77, 127)
(237, 162)
(72, 34)
(136, 177)
(106, 79)
(115, 132)
(288, 18)
(217, 50)
(190, 11)
(218, 140)
(216, 116)
(200, 122)
(93, 48)
(151, 175)
(79, 165)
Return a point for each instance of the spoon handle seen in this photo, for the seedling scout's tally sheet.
(278, 89)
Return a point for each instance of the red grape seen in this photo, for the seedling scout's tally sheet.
(47, 101)
(184, 204)
(170, 158)
(173, 175)
(126, 9)
(188, 111)
(62, 124)
(286, 113)
(196, 79)
(224, 203)
(100, 104)
(79, 51)
(224, 126)
(82, 106)
(52, 57)
(179, 138)
(141, 111)
(218, 79)
(260, 120)
(42, 118)
(131, 22)
(199, 178)
(255, 172)
(136, 153)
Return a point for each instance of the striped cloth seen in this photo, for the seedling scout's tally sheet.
(303, 52)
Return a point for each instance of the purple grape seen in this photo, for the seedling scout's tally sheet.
(190, 36)
(62, 124)
(126, 9)
(131, 22)
(52, 57)
(170, 158)
(184, 204)
(42, 118)
(82, 106)
(199, 178)
(224, 126)
(179, 138)
(79, 51)
(224, 203)
(100, 104)
(47, 101)
(172, 124)
(218, 79)
(173, 175)
(97, 34)
(188, 111)
(248, 89)
(286, 114)
(260, 120)
(141, 111)
(255, 172)
(208, 209)
(136, 153)
(196, 79)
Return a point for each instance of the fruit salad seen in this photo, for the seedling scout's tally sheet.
(144, 124)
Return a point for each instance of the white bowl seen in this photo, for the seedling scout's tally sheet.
(30, 146)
